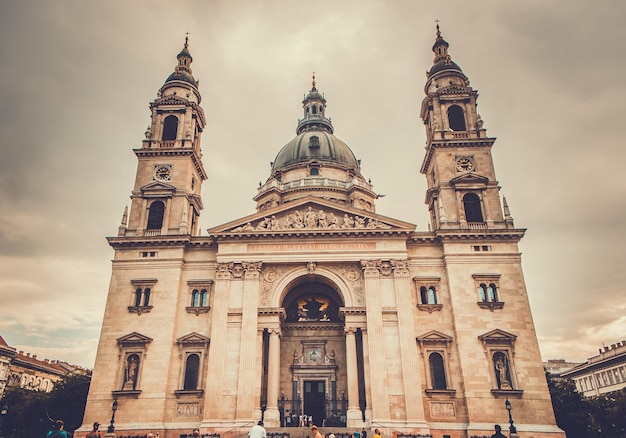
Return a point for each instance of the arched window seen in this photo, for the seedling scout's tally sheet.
(199, 298)
(138, 294)
(170, 128)
(456, 118)
(437, 371)
(146, 296)
(428, 295)
(482, 290)
(192, 367)
(473, 212)
(155, 215)
(314, 109)
(492, 294)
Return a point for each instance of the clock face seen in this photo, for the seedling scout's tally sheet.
(464, 164)
(163, 173)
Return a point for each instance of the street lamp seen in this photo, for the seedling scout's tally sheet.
(111, 428)
(512, 428)
(3, 413)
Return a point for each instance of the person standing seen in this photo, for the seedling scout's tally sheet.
(377, 433)
(316, 433)
(57, 430)
(498, 433)
(258, 431)
(195, 433)
(95, 433)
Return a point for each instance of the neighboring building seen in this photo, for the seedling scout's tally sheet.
(601, 374)
(316, 303)
(23, 370)
(555, 367)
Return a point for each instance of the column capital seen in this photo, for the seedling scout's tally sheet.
(350, 330)
(371, 268)
(251, 269)
(400, 268)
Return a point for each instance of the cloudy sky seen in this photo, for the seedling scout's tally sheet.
(76, 79)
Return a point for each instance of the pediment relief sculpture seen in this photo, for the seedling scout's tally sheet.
(310, 219)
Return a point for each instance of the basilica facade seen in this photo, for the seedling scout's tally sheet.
(316, 304)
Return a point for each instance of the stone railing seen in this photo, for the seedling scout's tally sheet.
(477, 225)
(315, 182)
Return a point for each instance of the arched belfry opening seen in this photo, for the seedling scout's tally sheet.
(313, 354)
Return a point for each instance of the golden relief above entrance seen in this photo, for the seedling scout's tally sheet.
(313, 309)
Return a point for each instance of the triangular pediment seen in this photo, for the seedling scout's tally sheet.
(134, 338)
(470, 179)
(157, 186)
(193, 338)
(311, 215)
(434, 337)
(498, 336)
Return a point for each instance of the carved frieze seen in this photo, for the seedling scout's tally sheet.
(311, 219)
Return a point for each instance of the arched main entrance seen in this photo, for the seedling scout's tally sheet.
(313, 350)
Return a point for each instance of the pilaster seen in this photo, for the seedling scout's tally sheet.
(376, 340)
(248, 344)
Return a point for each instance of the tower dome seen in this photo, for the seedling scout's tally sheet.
(315, 162)
(442, 61)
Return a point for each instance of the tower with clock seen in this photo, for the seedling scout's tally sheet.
(166, 197)
(463, 192)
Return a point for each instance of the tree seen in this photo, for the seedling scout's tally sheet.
(572, 412)
(30, 411)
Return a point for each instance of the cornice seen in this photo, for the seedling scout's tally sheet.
(160, 241)
(514, 234)
(310, 233)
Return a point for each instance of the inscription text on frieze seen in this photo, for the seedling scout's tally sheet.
(281, 247)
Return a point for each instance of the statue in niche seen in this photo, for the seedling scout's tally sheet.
(501, 367)
(130, 373)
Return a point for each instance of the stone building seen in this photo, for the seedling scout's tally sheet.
(602, 373)
(317, 304)
(23, 370)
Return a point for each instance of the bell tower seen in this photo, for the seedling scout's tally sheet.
(166, 196)
(463, 192)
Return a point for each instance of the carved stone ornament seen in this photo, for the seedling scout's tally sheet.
(310, 219)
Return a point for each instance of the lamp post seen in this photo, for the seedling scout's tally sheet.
(111, 428)
(3, 412)
(512, 428)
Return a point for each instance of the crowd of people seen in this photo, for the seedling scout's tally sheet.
(257, 431)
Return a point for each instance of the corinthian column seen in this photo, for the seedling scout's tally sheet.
(354, 413)
(272, 416)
